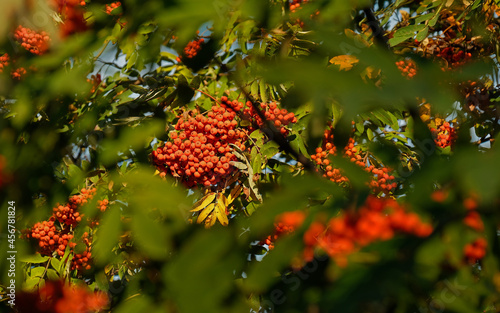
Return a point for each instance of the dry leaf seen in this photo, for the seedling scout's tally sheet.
(346, 62)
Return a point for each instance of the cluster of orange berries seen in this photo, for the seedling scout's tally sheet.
(112, 6)
(377, 220)
(444, 135)
(321, 159)
(55, 238)
(192, 48)
(454, 57)
(279, 117)
(407, 67)
(33, 41)
(82, 260)
(68, 214)
(49, 238)
(286, 224)
(72, 15)
(473, 219)
(200, 151)
(4, 61)
(59, 297)
(17, 73)
(476, 250)
(295, 4)
(95, 81)
(382, 179)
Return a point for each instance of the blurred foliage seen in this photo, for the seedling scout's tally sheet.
(93, 109)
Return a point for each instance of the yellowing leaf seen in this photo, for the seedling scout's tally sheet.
(234, 194)
(204, 214)
(220, 212)
(210, 221)
(346, 62)
(203, 202)
(223, 199)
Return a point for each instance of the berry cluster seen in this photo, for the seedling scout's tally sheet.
(191, 49)
(454, 57)
(59, 297)
(68, 214)
(382, 181)
(444, 135)
(378, 219)
(200, 151)
(321, 159)
(295, 4)
(4, 61)
(112, 6)
(81, 261)
(34, 42)
(49, 238)
(279, 117)
(286, 223)
(72, 15)
(408, 68)
(54, 235)
(95, 81)
(476, 250)
(18, 73)
(473, 219)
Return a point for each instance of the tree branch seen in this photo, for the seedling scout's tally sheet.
(377, 30)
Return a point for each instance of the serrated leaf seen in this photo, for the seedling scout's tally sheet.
(204, 214)
(203, 202)
(234, 194)
(220, 212)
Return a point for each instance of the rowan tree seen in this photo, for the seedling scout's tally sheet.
(250, 156)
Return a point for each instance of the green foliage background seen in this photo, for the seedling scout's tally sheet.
(56, 137)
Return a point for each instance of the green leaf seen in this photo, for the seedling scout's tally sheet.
(254, 89)
(263, 91)
(107, 235)
(30, 283)
(257, 164)
(37, 271)
(150, 237)
(422, 34)
(369, 134)
(52, 275)
(405, 33)
(56, 264)
(36, 258)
